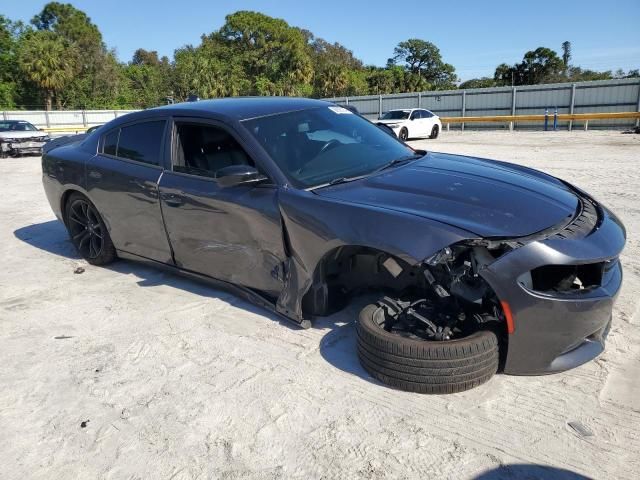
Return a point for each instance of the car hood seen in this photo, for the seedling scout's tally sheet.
(387, 122)
(484, 197)
(22, 134)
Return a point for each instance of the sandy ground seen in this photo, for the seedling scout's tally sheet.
(127, 372)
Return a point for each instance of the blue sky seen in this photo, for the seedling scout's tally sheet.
(474, 36)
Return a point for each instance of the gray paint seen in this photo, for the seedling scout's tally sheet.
(267, 242)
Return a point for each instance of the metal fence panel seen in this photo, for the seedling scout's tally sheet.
(38, 118)
(64, 118)
(621, 95)
(443, 104)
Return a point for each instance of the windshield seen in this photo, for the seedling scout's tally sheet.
(316, 146)
(16, 127)
(396, 115)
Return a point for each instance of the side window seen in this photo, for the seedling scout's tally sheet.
(415, 114)
(111, 142)
(141, 142)
(204, 149)
(426, 114)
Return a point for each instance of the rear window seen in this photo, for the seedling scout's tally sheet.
(111, 142)
(140, 142)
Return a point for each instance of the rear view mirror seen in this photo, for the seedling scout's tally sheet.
(239, 175)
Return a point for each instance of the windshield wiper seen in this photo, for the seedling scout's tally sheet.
(392, 163)
(336, 181)
(398, 161)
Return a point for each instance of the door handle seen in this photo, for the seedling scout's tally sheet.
(172, 200)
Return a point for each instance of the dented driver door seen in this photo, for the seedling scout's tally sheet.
(228, 233)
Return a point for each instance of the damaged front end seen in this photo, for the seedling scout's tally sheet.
(22, 146)
(455, 301)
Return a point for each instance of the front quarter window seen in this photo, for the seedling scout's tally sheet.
(315, 146)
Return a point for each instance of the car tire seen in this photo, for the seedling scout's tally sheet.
(404, 134)
(421, 366)
(87, 230)
(435, 131)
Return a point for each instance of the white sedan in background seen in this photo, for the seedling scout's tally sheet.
(18, 137)
(412, 122)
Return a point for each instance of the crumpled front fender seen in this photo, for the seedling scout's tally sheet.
(316, 225)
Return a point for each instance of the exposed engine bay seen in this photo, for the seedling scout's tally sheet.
(442, 298)
(456, 302)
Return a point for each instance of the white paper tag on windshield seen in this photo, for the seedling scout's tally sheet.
(339, 110)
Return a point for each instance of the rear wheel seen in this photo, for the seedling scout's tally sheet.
(404, 134)
(434, 132)
(423, 366)
(88, 231)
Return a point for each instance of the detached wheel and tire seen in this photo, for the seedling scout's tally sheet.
(87, 231)
(404, 134)
(423, 366)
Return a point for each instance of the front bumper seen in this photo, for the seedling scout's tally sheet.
(18, 147)
(557, 331)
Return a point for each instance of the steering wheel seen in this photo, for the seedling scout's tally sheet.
(330, 144)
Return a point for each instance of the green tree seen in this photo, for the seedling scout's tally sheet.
(46, 60)
(484, 82)
(566, 55)
(9, 33)
(149, 79)
(505, 75)
(144, 57)
(423, 60)
(336, 71)
(96, 71)
(541, 65)
(577, 74)
(273, 55)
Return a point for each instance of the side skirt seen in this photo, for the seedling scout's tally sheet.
(237, 290)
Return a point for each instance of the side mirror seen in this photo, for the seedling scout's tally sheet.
(239, 175)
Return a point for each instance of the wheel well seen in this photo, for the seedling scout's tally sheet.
(63, 202)
(348, 270)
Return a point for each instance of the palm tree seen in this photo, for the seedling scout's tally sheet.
(566, 55)
(47, 61)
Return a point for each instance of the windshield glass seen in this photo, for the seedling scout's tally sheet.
(16, 127)
(396, 115)
(313, 147)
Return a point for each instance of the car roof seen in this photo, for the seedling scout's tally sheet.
(237, 108)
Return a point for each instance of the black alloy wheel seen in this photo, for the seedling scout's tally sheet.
(86, 229)
(88, 232)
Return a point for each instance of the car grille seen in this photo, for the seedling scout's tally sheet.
(23, 139)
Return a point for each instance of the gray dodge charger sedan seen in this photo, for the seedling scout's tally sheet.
(473, 266)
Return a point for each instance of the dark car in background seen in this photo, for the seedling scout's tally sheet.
(298, 205)
(19, 137)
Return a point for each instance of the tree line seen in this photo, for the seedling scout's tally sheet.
(59, 60)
